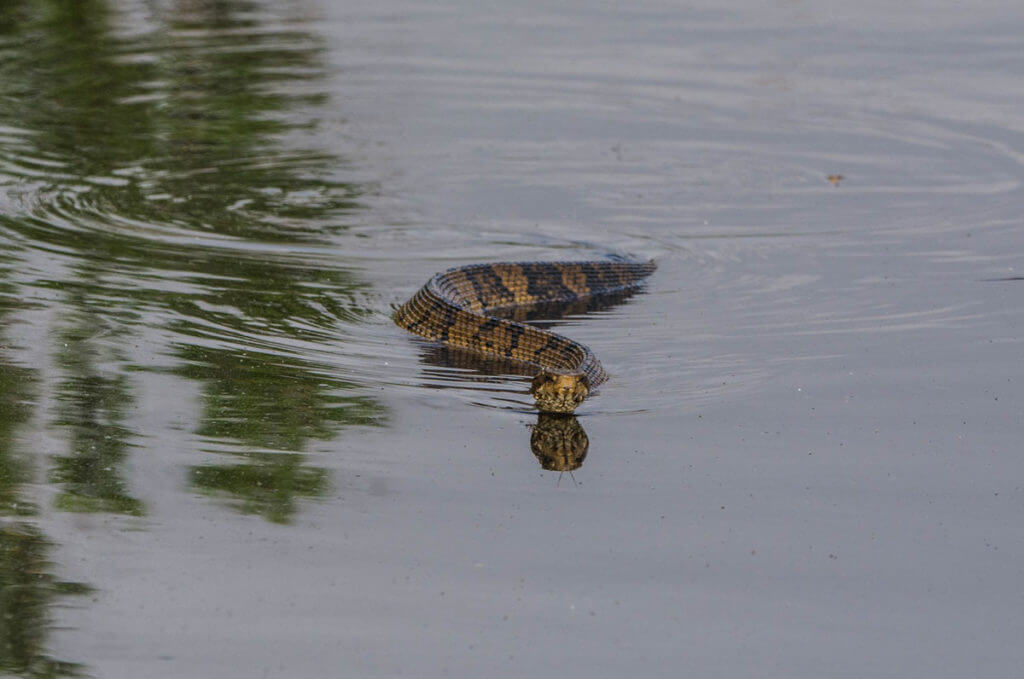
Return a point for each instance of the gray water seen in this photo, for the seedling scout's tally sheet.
(219, 457)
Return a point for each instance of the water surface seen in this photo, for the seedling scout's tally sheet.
(219, 455)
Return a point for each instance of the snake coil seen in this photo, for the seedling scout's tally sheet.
(475, 307)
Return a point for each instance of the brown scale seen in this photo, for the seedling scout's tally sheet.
(468, 308)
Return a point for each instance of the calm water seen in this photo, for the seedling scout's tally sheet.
(218, 456)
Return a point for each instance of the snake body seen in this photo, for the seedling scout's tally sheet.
(476, 308)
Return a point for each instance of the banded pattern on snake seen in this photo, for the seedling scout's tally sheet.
(469, 307)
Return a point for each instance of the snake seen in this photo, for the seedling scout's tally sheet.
(480, 308)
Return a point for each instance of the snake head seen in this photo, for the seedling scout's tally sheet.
(556, 393)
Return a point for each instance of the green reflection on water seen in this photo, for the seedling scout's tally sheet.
(93, 405)
(172, 128)
(28, 587)
(265, 484)
(271, 401)
(16, 406)
(156, 167)
(28, 590)
(153, 178)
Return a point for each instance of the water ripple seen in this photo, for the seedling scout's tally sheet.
(250, 184)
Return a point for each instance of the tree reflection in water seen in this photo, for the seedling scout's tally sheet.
(154, 177)
(28, 587)
(266, 484)
(172, 195)
(92, 407)
(28, 590)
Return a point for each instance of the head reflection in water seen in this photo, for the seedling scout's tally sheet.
(559, 442)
